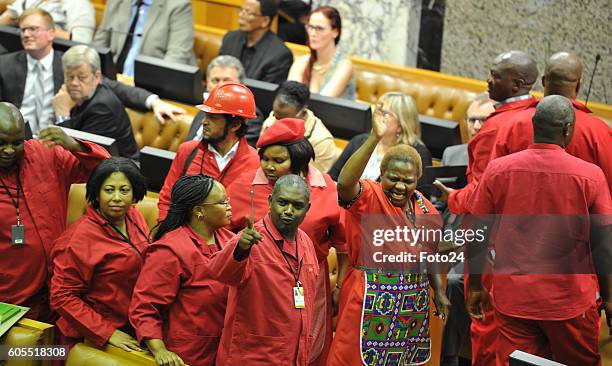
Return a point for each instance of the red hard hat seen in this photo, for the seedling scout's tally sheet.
(232, 98)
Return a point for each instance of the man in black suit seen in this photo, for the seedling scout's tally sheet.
(263, 55)
(17, 77)
(84, 103)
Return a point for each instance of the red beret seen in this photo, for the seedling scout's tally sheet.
(283, 131)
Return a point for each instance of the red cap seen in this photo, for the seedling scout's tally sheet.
(232, 98)
(283, 131)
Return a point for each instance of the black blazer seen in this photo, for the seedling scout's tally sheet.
(14, 71)
(359, 140)
(105, 115)
(270, 61)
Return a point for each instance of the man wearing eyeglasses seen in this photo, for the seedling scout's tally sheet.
(30, 78)
(263, 55)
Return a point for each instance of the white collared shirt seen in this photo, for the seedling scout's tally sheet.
(222, 161)
(512, 99)
(28, 106)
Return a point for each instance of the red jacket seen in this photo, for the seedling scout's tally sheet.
(46, 175)
(204, 161)
(322, 222)
(262, 325)
(95, 270)
(479, 152)
(592, 140)
(175, 301)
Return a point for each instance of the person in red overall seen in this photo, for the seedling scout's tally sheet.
(552, 239)
(284, 150)
(511, 78)
(384, 316)
(272, 269)
(35, 178)
(97, 260)
(175, 308)
(592, 139)
(223, 153)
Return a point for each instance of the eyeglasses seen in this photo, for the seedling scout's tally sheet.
(224, 203)
(248, 13)
(315, 28)
(476, 119)
(32, 29)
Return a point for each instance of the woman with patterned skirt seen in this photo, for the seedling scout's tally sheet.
(384, 307)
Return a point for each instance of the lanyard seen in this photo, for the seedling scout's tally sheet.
(13, 201)
(194, 153)
(295, 275)
(123, 236)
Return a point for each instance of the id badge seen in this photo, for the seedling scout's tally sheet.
(298, 297)
(17, 234)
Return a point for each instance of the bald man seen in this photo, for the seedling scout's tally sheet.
(592, 139)
(511, 78)
(553, 240)
(35, 177)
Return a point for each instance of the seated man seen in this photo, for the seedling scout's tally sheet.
(156, 28)
(264, 56)
(83, 103)
(222, 70)
(74, 19)
(30, 78)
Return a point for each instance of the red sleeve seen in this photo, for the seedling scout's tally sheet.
(155, 291)
(603, 150)
(482, 199)
(173, 175)
(364, 199)
(479, 152)
(76, 167)
(337, 234)
(71, 280)
(225, 269)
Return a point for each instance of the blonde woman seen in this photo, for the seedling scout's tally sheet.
(398, 112)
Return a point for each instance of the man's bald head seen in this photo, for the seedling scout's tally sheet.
(562, 75)
(10, 117)
(553, 121)
(12, 135)
(513, 73)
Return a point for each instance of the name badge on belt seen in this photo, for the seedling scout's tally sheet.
(298, 296)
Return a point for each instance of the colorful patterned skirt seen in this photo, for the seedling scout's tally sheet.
(395, 319)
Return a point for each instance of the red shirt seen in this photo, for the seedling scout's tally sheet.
(372, 201)
(262, 325)
(542, 180)
(322, 222)
(95, 270)
(173, 300)
(46, 175)
(246, 159)
(592, 140)
(479, 152)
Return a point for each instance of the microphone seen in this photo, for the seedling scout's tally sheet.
(597, 59)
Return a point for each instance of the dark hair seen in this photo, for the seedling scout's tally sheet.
(300, 152)
(108, 167)
(293, 93)
(188, 191)
(335, 21)
(236, 120)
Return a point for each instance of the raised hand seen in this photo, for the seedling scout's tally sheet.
(55, 136)
(378, 124)
(249, 237)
